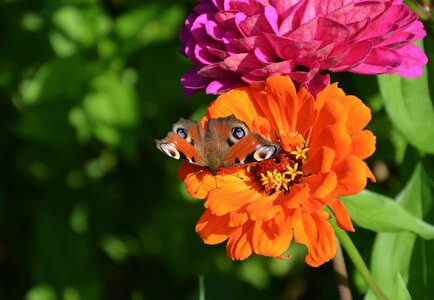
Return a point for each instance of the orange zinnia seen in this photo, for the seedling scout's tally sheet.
(269, 203)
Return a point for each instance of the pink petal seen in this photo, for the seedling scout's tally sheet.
(381, 60)
(414, 58)
(221, 86)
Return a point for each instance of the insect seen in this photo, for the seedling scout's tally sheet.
(228, 142)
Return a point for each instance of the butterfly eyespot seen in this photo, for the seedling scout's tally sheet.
(170, 150)
(182, 132)
(264, 152)
(238, 133)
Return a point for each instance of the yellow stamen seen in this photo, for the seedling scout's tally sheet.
(285, 182)
(300, 153)
(275, 180)
(293, 171)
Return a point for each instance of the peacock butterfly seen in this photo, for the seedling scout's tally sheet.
(228, 142)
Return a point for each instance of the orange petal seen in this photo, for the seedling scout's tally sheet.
(316, 233)
(262, 126)
(238, 246)
(263, 208)
(322, 185)
(235, 194)
(281, 98)
(306, 114)
(236, 101)
(315, 204)
(351, 174)
(330, 92)
(322, 249)
(267, 241)
(289, 141)
(359, 112)
(331, 113)
(363, 144)
(213, 229)
(335, 137)
(197, 180)
(300, 234)
(342, 216)
(298, 194)
(238, 219)
(320, 161)
(369, 174)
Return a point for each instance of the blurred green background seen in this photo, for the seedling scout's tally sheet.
(89, 208)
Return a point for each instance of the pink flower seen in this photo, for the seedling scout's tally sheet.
(231, 42)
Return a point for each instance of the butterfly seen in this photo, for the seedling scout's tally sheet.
(228, 142)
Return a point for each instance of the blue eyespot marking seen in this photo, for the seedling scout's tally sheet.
(182, 132)
(238, 132)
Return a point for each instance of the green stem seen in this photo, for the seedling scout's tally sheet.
(358, 262)
(201, 288)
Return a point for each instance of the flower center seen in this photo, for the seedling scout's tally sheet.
(282, 171)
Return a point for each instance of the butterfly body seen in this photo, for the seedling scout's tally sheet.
(228, 142)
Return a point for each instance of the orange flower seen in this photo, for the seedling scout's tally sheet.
(266, 205)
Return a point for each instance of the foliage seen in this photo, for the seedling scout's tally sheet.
(89, 209)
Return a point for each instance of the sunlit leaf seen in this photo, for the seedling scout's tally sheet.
(150, 23)
(62, 46)
(32, 21)
(392, 252)
(401, 292)
(41, 292)
(78, 221)
(55, 80)
(111, 110)
(421, 265)
(83, 26)
(115, 247)
(253, 272)
(382, 214)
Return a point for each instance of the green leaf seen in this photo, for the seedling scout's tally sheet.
(83, 26)
(382, 214)
(42, 291)
(392, 252)
(401, 291)
(62, 46)
(113, 102)
(55, 81)
(408, 104)
(421, 265)
(429, 50)
(110, 112)
(150, 23)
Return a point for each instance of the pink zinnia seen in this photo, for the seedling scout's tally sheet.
(231, 42)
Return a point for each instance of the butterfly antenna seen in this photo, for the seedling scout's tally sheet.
(235, 175)
(216, 179)
(194, 174)
(195, 192)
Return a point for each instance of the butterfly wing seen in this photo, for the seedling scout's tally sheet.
(185, 141)
(227, 143)
(235, 144)
(251, 148)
